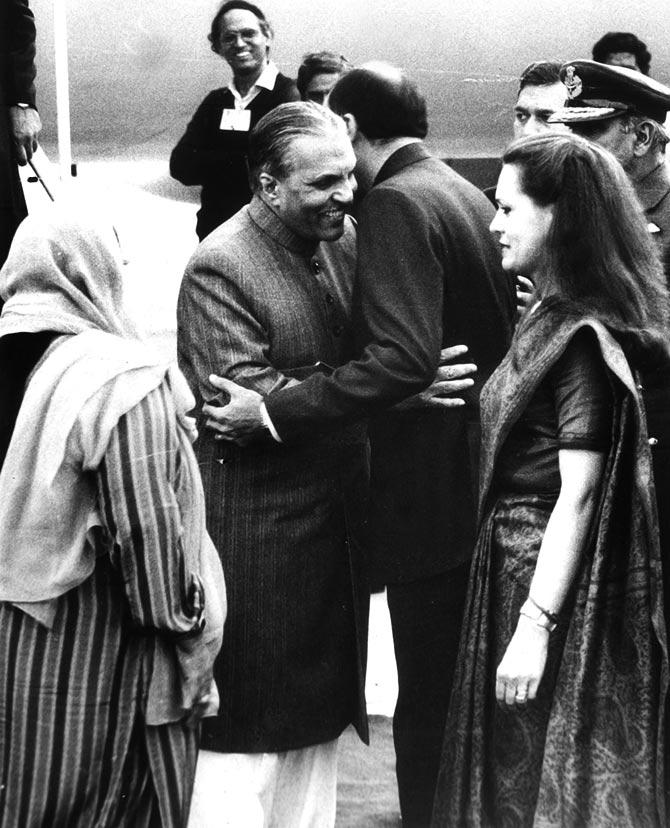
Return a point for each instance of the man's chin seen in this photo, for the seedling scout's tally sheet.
(332, 233)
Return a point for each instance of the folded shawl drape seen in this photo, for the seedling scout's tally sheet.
(604, 747)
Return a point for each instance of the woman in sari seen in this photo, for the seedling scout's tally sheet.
(556, 715)
(111, 594)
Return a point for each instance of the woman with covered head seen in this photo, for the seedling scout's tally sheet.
(556, 715)
(111, 594)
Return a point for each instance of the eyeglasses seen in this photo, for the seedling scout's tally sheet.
(247, 35)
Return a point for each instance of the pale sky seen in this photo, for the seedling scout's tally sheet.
(138, 70)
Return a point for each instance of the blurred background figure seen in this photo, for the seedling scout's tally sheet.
(213, 150)
(541, 93)
(318, 73)
(623, 49)
(20, 122)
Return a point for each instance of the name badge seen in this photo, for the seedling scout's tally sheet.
(235, 120)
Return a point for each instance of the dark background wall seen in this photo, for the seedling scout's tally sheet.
(138, 68)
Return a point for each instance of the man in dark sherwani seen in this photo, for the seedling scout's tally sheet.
(428, 276)
(20, 122)
(266, 300)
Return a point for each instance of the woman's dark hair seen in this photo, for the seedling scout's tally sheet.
(214, 35)
(599, 252)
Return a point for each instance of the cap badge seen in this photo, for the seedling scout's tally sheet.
(573, 83)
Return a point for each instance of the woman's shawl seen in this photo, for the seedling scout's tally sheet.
(604, 751)
(62, 276)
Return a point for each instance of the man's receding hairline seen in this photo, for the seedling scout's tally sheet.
(326, 129)
(383, 70)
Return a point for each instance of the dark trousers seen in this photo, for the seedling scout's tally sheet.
(426, 620)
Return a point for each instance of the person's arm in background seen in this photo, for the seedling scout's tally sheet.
(20, 80)
(398, 300)
(244, 416)
(397, 320)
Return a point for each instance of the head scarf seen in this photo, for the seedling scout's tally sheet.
(63, 275)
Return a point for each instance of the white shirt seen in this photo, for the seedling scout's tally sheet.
(266, 80)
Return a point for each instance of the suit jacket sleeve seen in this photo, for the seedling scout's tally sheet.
(398, 302)
(19, 69)
(219, 330)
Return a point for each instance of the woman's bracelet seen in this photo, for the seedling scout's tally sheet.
(538, 616)
(552, 616)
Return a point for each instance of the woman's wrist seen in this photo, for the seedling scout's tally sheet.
(530, 625)
(538, 615)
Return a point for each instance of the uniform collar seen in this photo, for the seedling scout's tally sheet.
(653, 187)
(270, 223)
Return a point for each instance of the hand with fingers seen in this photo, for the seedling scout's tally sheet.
(26, 126)
(451, 378)
(239, 420)
(520, 671)
(525, 292)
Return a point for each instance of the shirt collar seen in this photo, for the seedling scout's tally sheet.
(270, 223)
(266, 80)
(653, 187)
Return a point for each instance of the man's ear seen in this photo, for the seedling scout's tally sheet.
(644, 138)
(351, 124)
(268, 187)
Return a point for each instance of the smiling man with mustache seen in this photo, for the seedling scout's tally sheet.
(428, 277)
(266, 301)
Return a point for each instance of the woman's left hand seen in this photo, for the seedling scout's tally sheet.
(521, 669)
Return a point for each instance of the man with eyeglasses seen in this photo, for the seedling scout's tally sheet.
(213, 150)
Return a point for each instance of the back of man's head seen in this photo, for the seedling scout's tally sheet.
(384, 101)
(271, 139)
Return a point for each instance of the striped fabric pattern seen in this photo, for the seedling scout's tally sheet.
(74, 749)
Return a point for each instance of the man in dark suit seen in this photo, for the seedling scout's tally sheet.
(428, 276)
(20, 121)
